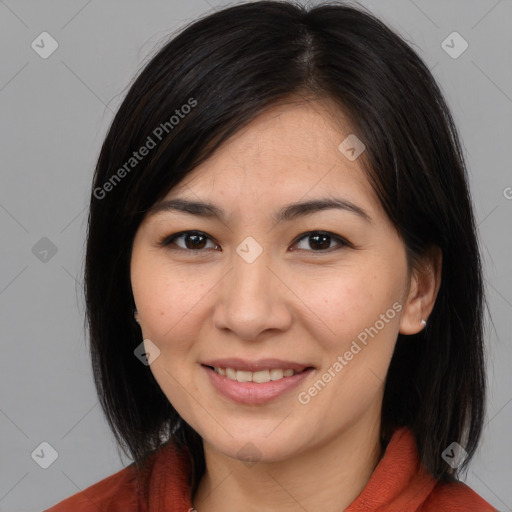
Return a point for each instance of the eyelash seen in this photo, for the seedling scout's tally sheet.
(168, 240)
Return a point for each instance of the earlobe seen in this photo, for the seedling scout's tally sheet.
(423, 290)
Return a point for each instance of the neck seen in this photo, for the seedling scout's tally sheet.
(327, 477)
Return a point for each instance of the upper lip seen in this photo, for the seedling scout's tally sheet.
(254, 366)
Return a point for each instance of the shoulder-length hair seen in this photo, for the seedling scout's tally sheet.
(227, 68)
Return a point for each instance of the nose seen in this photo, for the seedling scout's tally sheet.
(253, 299)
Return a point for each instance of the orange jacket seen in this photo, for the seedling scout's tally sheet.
(398, 484)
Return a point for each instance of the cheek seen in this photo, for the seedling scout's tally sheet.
(167, 302)
(347, 302)
(169, 306)
(167, 298)
(361, 311)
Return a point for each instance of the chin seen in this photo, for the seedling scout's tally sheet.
(252, 447)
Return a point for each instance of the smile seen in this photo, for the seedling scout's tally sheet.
(259, 376)
(255, 387)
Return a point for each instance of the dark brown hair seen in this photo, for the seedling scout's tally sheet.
(228, 67)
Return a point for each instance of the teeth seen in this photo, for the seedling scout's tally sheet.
(276, 374)
(242, 376)
(260, 376)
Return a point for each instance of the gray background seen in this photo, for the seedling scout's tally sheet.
(55, 113)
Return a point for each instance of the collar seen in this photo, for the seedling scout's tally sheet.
(397, 483)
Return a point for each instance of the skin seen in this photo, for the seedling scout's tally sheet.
(297, 301)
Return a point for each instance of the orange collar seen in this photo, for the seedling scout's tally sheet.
(398, 483)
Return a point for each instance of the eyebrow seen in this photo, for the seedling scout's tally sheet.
(287, 213)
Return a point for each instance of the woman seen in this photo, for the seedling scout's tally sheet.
(283, 282)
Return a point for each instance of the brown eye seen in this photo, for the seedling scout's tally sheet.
(190, 241)
(197, 241)
(320, 241)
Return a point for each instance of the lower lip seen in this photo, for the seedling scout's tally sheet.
(252, 392)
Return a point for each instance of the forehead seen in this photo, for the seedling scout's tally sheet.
(289, 151)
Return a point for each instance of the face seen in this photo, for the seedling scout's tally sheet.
(320, 291)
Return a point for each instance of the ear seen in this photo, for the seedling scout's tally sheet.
(424, 285)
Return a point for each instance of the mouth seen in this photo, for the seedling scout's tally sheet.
(255, 383)
(260, 376)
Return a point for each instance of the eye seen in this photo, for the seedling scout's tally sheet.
(196, 241)
(320, 241)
